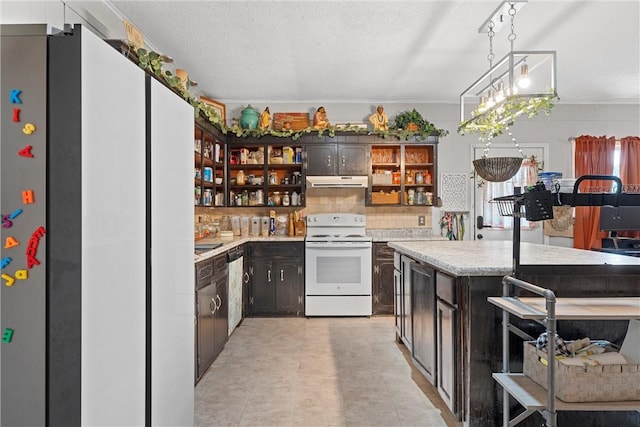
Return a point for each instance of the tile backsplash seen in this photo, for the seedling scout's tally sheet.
(347, 200)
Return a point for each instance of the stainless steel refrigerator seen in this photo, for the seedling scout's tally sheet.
(97, 293)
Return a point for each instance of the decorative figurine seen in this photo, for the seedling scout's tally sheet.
(320, 120)
(265, 120)
(379, 119)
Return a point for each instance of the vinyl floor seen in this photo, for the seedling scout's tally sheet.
(315, 372)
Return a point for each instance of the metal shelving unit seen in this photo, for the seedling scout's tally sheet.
(548, 310)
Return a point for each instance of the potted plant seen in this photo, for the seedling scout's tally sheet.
(412, 122)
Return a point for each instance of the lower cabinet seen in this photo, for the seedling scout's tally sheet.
(405, 306)
(246, 281)
(446, 338)
(423, 306)
(211, 311)
(382, 279)
(277, 274)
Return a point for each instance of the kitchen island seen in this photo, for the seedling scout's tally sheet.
(470, 272)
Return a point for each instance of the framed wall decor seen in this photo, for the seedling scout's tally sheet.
(219, 107)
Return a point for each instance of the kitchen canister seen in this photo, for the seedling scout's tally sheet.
(281, 225)
(264, 225)
(244, 226)
(235, 225)
(255, 226)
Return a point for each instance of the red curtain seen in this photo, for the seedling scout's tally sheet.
(594, 156)
(630, 168)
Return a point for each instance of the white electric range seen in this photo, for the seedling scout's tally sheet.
(337, 265)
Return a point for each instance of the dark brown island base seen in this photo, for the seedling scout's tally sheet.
(456, 337)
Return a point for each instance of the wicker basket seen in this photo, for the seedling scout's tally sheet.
(538, 205)
(604, 383)
(497, 169)
(380, 198)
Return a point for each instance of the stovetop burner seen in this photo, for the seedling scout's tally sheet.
(337, 227)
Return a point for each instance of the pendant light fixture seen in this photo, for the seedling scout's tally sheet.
(522, 82)
(501, 95)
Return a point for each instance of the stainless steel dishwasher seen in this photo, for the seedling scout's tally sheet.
(234, 264)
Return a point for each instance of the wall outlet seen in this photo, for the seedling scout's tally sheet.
(420, 220)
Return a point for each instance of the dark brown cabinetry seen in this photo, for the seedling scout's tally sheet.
(209, 165)
(246, 281)
(211, 311)
(446, 320)
(337, 159)
(423, 301)
(260, 173)
(403, 174)
(277, 278)
(382, 279)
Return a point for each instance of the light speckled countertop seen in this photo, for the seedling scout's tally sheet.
(401, 234)
(495, 258)
(237, 241)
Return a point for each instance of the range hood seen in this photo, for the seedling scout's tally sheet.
(330, 181)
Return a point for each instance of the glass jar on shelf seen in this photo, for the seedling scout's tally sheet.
(277, 200)
(408, 178)
(286, 201)
(420, 198)
(207, 198)
(273, 178)
(411, 197)
(240, 177)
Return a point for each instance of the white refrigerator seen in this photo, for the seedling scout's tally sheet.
(102, 326)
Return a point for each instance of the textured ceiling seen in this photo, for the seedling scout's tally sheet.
(386, 51)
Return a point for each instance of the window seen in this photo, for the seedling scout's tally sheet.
(616, 165)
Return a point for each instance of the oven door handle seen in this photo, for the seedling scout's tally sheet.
(330, 245)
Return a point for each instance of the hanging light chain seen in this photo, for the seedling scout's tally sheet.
(512, 13)
(491, 33)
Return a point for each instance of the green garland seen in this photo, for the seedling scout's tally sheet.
(492, 123)
(152, 62)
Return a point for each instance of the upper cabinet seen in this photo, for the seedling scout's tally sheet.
(402, 174)
(265, 173)
(272, 171)
(209, 164)
(338, 159)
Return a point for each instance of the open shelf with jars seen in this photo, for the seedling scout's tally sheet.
(209, 166)
(262, 174)
(402, 175)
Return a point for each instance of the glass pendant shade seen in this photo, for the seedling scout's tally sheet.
(524, 81)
